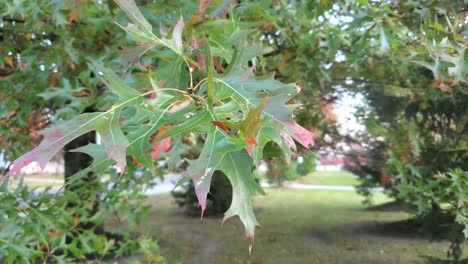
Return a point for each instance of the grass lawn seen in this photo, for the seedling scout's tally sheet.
(330, 178)
(37, 180)
(299, 226)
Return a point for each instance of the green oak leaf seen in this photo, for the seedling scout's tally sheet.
(237, 167)
(201, 170)
(141, 29)
(100, 164)
(269, 134)
(113, 138)
(117, 86)
(252, 90)
(139, 136)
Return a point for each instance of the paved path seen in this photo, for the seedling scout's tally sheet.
(44, 180)
(300, 186)
(168, 183)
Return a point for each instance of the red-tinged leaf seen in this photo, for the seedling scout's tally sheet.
(201, 62)
(247, 73)
(222, 125)
(9, 61)
(251, 141)
(439, 83)
(160, 147)
(302, 135)
(135, 161)
(55, 138)
(72, 15)
(218, 66)
(250, 236)
(204, 4)
(113, 139)
(254, 89)
(53, 79)
(248, 149)
(287, 140)
(82, 93)
(385, 180)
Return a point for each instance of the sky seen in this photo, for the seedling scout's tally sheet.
(345, 108)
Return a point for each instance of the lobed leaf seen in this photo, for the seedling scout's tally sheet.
(117, 86)
(132, 11)
(113, 138)
(55, 138)
(252, 90)
(268, 134)
(237, 167)
(201, 170)
(175, 43)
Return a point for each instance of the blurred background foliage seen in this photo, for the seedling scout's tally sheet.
(406, 59)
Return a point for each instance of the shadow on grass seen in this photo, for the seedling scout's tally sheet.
(433, 260)
(395, 230)
(395, 206)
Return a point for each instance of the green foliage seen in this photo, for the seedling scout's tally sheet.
(46, 226)
(44, 50)
(280, 170)
(408, 61)
(209, 77)
(444, 196)
(306, 164)
(150, 251)
(415, 112)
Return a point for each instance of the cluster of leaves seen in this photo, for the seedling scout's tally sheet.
(446, 192)
(46, 77)
(407, 59)
(235, 111)
(43, 68)
(46, 226)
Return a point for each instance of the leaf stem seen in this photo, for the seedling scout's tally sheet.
(199, 84)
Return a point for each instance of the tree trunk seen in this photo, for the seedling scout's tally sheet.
(86, 187)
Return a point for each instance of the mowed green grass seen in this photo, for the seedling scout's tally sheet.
(329, 178)
(299, 226)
